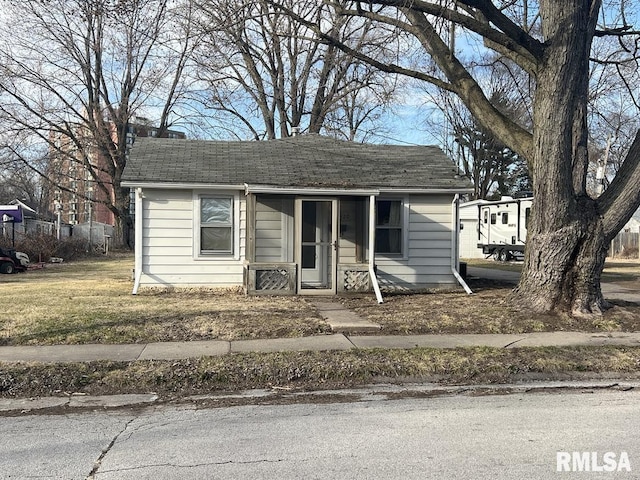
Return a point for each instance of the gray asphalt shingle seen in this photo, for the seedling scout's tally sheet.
(301, 161)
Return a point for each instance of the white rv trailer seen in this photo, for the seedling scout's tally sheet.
(500, 227)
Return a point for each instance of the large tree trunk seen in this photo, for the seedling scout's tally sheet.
(563, 267)
(566, 242)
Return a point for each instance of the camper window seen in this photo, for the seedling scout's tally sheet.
(505, 218)
(493, 219)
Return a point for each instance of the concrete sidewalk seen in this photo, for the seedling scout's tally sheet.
(180, 350)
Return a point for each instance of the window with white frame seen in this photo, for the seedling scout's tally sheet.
(216, 225)
(389, 226)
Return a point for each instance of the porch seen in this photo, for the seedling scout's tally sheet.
(309, 244)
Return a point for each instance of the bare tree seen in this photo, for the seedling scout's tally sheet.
(493, 168)
(17, 182)
(270, 74)
(74, 72)
(570, 230)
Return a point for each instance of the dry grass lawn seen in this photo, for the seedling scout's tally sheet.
(487, 311)
(319, 370)
(91, 302)
(484, 312)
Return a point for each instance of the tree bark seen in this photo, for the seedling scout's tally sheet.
(566, 244)
(562, 268)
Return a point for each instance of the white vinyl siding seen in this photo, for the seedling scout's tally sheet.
(274, 230)
(170, 250)
(347, 235)
(171, 256)
(427, 261)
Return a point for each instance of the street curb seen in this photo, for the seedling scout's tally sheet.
(382, 391)
(27, 405)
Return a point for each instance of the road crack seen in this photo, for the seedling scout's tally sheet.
(197, 465)
(98, 462)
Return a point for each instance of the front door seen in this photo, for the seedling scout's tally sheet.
(316, 240)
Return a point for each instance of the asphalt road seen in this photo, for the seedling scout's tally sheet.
(449, 437)
(611, 291)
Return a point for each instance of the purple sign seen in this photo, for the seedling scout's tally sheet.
(10, 213)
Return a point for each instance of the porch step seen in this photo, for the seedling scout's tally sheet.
(343, 320)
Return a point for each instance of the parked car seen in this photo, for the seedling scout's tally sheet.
(12, 261)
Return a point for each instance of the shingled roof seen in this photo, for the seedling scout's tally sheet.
(311, 161)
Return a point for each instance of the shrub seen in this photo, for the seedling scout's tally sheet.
(41, 247)
(629, 252)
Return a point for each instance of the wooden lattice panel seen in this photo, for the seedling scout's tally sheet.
(274, 280)
(356, 281)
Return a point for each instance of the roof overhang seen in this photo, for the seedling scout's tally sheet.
(293, 190)
(180, 186)
(431, 191)
(270, 189)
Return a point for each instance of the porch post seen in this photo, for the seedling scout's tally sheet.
(372, 248)
(250, 253)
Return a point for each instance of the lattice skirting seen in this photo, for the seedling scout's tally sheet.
(356, 281)
(273, 280)
(270, 279)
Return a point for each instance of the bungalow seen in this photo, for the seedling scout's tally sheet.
(301, 215)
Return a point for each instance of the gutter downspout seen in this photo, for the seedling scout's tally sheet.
(455, 235)
(138, 240)
(372, 248)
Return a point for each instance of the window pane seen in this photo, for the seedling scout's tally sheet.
(388, 213)
(308, 256)
(215, 239)
(389, 240)
(309, 219)
(215, 210)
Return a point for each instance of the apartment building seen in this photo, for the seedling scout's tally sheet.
(76, 198)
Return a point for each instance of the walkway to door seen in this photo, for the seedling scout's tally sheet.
(342, 319)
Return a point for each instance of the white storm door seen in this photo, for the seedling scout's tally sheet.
(316, 241)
